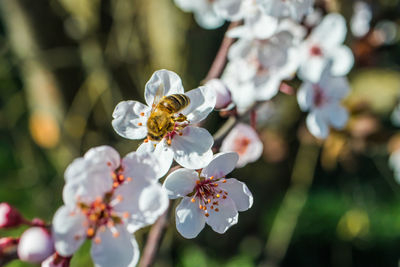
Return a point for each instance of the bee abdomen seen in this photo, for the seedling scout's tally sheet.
(174, 103)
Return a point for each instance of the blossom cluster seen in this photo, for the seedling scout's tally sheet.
(273, 46)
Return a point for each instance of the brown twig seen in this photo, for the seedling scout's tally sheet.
(220, 59)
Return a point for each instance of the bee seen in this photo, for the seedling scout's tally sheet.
(163, 114)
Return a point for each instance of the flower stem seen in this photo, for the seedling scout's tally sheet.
(292, 204)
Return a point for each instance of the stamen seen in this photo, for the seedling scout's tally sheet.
(141, 113)
(216, 209)
(192, 200)
(129, 179)
(90, 232)
(217, 195)
(97, 240)
(126, 215)
(140, 124)
(206, 214)
(212, 177)
(146, 140)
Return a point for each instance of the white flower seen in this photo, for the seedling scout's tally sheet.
(233, 10)
(35, 245)
(295, 9)
(324, 45)
(190, 146)
(203, 11)
(208, 197)
(257, 67)
(243, 140)
(106, 200)
(322, 100)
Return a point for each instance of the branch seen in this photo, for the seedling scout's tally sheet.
(220, 59)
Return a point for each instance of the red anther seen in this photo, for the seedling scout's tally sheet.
(141, 113)
(9, 216)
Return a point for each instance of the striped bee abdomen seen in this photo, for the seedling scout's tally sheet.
(174, 103)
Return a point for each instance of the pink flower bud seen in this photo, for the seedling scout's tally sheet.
(35, 245)
(9, 216)
(222, 92)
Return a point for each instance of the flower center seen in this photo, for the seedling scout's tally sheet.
(316, 51)
(241, 144)
(208, 192)
(100, 215)
(319, 96)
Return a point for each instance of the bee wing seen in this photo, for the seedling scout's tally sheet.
(159, 95)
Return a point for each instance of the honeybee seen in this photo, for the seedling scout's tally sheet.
(163, 113)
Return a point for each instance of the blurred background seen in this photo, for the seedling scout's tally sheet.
(65, 64)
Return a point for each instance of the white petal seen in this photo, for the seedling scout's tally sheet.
(208, 19)
(190, 220)
(343, 61)
(143, 165)
(121, 251)
(332, 30)
(311, 70)
(170, 82)
(336, 88)
(229, 9)
(305, 96)
(69, 231)
(162, 152)
(222, 164)
(227, 216)
(180, 183)
(317, 125)
(128, 121)
(192, 150)
(144, 200)
(104, 154)
(338, 116)
(239, 193)
(223, 95)
(93, 182)
(202, 102)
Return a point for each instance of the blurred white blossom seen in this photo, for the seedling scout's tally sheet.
(323, 101)
(243, 140)
(324, 46)
(208, 197)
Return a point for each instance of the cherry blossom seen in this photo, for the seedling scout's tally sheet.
(325, 45)
(189, 145)
(243, 140)
(106, 199)
(35, 245)
(323, 101)
(203, 11)
(208, 197)
(258, 66)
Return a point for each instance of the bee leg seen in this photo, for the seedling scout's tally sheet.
(180, 118)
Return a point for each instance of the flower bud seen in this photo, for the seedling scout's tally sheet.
(35, 245)
(9, 216)
(222, 92)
